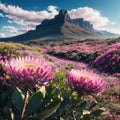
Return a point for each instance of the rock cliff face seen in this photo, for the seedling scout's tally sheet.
(64, 17)
(59, 19)
(82, 23)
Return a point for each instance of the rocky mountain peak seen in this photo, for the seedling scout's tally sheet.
(63, 12)
(63, 16)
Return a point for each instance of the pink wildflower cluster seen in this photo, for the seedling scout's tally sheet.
(116, 45)
(63, 63)
(80, 47)
(28, 53)
(28, 72)
(109, 61)
(85, 82)
(5, 57)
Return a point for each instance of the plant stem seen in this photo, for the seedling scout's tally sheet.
(24, 104)
(73, 116)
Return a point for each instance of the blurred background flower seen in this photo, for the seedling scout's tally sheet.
(85, 82)
(109, 61)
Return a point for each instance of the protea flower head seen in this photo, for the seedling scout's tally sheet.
(28, 72)
(85, 82)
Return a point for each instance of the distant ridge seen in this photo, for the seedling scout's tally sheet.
(60, 26)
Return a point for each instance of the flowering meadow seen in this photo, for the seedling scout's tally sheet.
(65, 80)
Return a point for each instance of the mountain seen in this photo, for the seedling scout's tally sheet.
(60, 26)
(106, 34)
(84, 24)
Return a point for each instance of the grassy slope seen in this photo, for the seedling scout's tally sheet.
(69, 29)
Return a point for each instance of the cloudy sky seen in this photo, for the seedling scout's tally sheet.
(19, 16)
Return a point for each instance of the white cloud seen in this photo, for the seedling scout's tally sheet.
(10, 21)
(90, 14)
(10, 29)
(2, 35)
(26, 19)
(113, 23)
(112, 30)
(16, 31)
(1, 15)
(53, 9)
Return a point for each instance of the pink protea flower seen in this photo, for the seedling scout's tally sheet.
(85, 82)
(28, 72)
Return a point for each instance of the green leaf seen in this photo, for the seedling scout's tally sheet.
(8, 113)
(43, 91)
(17, 99)
(86, 117)
(83, 105)
(4, 94)
(93, 105)
(97, 112)
(48, 111)
(34, 102)
(60, 75)
(86, 112)
(2, 118)
(55, 102)
(45, 114)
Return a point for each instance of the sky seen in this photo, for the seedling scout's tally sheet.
(20, 16)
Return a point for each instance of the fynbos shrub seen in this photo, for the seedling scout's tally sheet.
(109, 61)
